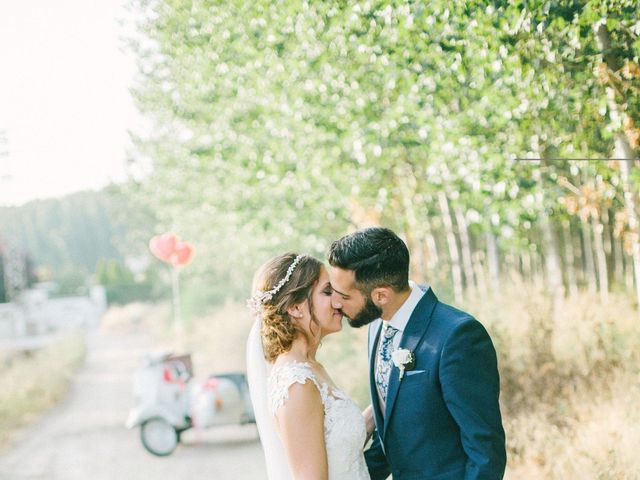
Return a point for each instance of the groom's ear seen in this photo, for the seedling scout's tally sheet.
(381, 296)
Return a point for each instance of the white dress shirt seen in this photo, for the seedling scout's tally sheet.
(401, 317)
(399, 321)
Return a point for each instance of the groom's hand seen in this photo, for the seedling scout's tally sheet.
(369, 422)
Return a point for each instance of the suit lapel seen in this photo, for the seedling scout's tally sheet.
(374, 332)
(413, 333)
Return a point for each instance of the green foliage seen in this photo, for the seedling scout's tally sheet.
(124, 287)
(110, 273)
(65, 237)
(281, 125)
(70, 281)
(84, 238)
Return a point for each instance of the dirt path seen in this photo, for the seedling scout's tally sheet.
(84, 437)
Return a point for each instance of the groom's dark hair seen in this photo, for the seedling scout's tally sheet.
(377, 256)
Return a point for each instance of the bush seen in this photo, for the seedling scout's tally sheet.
(35, 383)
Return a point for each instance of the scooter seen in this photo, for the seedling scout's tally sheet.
(168, 401)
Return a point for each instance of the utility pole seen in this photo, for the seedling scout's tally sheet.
(5, 169)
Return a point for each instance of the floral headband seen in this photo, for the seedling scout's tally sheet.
(257, 301)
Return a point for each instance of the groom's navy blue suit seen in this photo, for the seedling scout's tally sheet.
(442, 420)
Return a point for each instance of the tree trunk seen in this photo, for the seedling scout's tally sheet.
(580, 262)
(587, 250)
(480, 272)
(567, 240)
(405, 179)
(603, 274)
(551, 257)
(634, 224)
(618, 261)
(512, 266)
(525, 262)
(628, 272)
(493, 260)
(607, 237)
(454, 254)
(418, 271)
(537, 268)
(623, 150)
(431, 249)
(465, 243)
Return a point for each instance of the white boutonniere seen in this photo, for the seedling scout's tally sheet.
(403, 359)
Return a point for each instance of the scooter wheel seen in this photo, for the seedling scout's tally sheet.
(158, 436)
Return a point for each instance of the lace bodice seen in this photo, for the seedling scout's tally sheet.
(344, 427)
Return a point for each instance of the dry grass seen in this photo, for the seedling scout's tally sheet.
(570, 372)
(137, 317)
(216, 341)
(35, 383)
(586, 435)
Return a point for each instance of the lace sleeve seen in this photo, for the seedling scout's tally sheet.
(282, 377)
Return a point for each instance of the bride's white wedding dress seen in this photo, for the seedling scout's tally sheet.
(344, 426)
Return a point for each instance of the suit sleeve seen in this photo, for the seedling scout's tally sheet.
(376, 460)
(471, 388)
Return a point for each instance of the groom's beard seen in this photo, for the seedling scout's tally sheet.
(368, 314)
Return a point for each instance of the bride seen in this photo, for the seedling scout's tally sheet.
(308, 427)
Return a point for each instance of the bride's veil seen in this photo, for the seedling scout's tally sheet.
(257, 374)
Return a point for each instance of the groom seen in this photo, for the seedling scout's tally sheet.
(432, 368)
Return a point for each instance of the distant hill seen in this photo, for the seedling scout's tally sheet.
(67, 234)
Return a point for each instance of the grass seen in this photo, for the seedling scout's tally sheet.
(570, 373)
(33, 384)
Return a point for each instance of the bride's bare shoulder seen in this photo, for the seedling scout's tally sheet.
(301, 399)
(292, 382)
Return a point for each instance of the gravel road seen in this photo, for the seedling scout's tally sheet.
(84, 436)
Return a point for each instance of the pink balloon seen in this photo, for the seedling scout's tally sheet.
(170, 249)
(162, 246)
(182, 254)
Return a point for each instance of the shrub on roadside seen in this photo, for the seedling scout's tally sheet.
(32, 384)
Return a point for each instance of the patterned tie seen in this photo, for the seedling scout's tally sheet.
(384, 361)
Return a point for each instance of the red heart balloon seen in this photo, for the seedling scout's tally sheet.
(182, 254)
(170, 249)
(163, 246)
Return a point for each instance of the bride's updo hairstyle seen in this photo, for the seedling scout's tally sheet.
(278, 328)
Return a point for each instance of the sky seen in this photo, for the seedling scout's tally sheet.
(64, 101)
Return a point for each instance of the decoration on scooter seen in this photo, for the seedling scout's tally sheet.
(215, 401)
